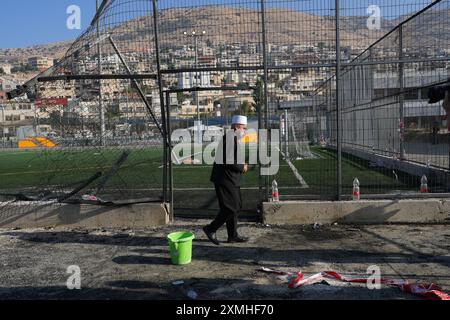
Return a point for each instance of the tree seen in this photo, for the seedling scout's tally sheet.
(243, 86)
(181, 97)
(112, 113)
(246, 108)
(129, 90)
(258, 94)
(55, 119)
(2, 71)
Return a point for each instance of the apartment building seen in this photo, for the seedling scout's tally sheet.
(40, 63)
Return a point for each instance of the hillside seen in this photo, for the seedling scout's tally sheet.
(51, 50)
(241, 25)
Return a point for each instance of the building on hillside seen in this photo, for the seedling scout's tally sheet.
(6, 68)
(40, 63)
(188, 80)
(14, 115)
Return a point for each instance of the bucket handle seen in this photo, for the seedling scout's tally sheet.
(176, 245)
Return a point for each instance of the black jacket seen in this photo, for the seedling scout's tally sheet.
(227, 174)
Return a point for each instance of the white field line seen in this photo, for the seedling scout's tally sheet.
(192, 166)
(196, 166)
(207, 189)
(179, 161)
(300, 179)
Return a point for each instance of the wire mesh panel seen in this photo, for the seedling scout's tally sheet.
(378, 97)
(113, 138)
(383, 95)
(96, 125)
(214, 46)
(307, 169)
(210, 34)
(194, 193)
(96, 134)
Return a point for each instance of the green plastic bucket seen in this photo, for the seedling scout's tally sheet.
(180, 245)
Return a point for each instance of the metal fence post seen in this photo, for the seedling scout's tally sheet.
(266, 93)
(161, 95)
(401, 88)
(372, 96)
(169, 158)
(260, 180)
(100, 96)
(286, 134)
(338, 104)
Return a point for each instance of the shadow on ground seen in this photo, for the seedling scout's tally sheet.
(245, 255)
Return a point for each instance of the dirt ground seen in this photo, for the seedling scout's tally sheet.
(135, 264)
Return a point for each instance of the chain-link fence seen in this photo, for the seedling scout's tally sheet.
(99, 121)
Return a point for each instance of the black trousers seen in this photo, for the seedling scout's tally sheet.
(230, 203)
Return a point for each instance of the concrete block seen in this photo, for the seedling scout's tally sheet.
(47, 214)
(357, 212)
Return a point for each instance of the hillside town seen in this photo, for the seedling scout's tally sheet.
(285, 86)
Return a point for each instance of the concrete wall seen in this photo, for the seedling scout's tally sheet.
(438, 175)
(357, 212)
(46, 214)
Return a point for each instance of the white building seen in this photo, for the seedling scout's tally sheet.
(7, 84)
(6, 68)
(14, 115)
(189, 109)
(40, 63)
(232, 77)
(188, 80)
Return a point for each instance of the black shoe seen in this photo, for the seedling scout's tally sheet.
(237, 240)
(211, 236)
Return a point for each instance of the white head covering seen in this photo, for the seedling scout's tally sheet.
(239, 120)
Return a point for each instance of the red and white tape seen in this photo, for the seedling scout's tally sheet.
(430, 291)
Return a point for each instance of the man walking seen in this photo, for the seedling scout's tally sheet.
(226, 176)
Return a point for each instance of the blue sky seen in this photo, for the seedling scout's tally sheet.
(30, 22)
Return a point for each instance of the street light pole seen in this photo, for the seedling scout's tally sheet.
(199, 126)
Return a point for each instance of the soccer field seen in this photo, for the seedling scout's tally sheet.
(28, 169)
(141, 175)
(320, 175)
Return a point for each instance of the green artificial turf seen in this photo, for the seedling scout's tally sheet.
(143, 170)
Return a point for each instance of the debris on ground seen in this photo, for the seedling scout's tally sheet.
(140, 268)
(192, 294)
(429, 290)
